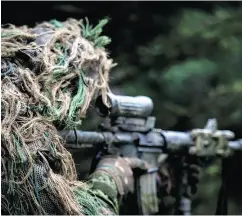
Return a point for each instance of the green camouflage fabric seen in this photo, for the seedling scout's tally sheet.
(105, 190)
(112, 179)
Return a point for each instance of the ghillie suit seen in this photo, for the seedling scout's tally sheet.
(49, 75)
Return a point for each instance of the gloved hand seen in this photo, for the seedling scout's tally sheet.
(193, 170)
(120, 169)
(168, 168)
(165, 174)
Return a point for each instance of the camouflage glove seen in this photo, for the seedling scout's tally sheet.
(168, 166)
(193, 170)
(165, 174)
(168, 179)
(120, 169)
(166, 182)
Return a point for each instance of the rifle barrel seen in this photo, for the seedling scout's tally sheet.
(175, 138)
(184, 139)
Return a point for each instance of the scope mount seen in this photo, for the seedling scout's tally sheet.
(130, 124)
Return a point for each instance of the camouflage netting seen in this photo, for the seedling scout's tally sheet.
(49, 75)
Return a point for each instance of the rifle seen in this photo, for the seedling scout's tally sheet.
(129, 130)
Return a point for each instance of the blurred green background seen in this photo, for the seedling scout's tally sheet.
(187, 56)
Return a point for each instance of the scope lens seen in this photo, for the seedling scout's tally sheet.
(102, 109)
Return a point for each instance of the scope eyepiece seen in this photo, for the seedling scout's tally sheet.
(126, 106)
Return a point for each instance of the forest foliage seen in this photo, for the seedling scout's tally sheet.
(193, 71)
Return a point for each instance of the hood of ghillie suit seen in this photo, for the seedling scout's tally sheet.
(49, 76)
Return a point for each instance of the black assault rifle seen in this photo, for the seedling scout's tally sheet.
(129, 131)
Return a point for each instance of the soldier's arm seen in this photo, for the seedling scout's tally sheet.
(112, 179)
(104, 188)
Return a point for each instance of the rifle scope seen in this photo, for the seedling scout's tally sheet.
(125, 106)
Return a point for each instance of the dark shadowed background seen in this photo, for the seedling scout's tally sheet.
(187, 56)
